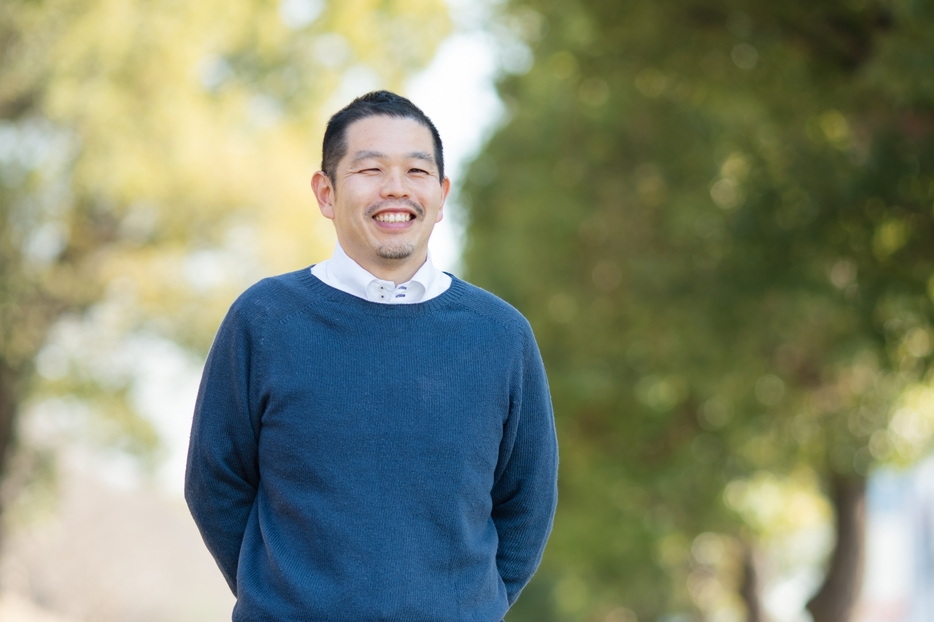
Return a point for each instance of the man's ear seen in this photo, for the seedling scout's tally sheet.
(445, 189)
(324, 192)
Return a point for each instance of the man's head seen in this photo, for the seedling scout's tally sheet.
(370, 105)
(382, 183)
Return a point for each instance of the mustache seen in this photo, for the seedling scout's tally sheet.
(419, 210)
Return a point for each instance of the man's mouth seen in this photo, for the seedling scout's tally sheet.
(393, 217)
(395, 211)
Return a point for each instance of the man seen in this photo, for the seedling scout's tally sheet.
(373, 438)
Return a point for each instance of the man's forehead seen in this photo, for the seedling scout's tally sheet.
(385, 137)
(386, 130)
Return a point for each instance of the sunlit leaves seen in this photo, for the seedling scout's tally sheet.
(154, 158)
(726, 256)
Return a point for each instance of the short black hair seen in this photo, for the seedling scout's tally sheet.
(375, 103)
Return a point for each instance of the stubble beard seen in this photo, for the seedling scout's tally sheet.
(397, 250)
(401, 250)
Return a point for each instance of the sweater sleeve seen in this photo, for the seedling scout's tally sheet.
(525, 490)
(222, 476)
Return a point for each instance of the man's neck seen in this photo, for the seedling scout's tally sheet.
(394, 270)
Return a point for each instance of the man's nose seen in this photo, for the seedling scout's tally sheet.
(395, 184)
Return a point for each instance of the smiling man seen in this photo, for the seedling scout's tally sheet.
(373, 438)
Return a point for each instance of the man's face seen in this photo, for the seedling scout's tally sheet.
(385, 197)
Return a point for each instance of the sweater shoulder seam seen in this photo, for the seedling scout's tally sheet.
(509, 317)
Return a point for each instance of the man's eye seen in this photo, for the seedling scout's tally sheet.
(419, 170)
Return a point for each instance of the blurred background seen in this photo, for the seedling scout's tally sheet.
(718, 217)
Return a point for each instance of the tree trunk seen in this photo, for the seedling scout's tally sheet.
(8, 400)
(837, 598)
(751, 588)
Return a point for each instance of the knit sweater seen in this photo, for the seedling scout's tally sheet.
(356, 461)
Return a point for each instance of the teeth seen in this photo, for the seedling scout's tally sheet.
(393, 217)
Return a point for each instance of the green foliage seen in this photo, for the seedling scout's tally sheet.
(718, 218)
(151, 158)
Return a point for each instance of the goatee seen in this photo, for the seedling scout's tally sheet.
(400, 250)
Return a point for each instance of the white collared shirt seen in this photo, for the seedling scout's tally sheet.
(343, 273)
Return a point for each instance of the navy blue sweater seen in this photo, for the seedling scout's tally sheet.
(357, 461)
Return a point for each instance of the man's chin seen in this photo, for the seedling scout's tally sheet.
(395, 251)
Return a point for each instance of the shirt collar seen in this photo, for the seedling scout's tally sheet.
(351, 277)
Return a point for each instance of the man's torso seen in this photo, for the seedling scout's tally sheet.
(380, 438)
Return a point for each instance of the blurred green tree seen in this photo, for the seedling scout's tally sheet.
(151, 165)
(718, 218)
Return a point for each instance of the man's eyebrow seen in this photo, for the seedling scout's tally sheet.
(365, 155)
(421, 155)
(379, 155)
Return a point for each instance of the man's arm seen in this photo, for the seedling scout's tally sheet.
(525, 492)
(223, 475)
